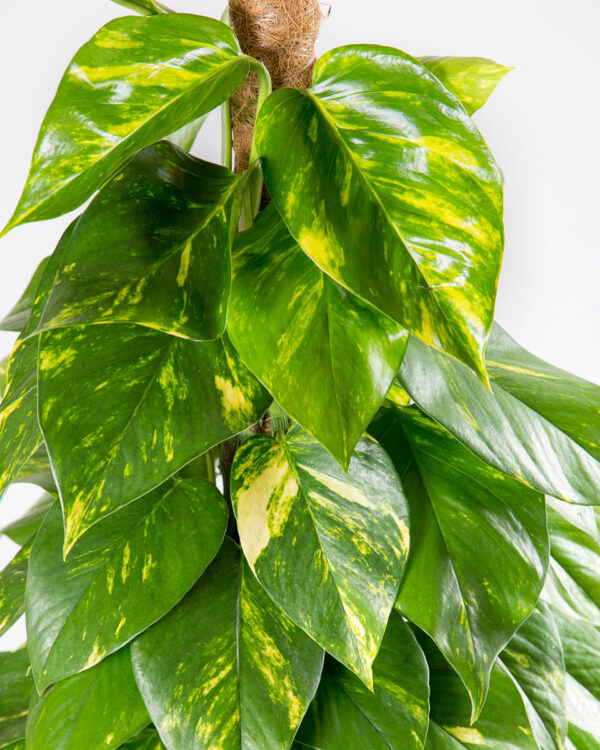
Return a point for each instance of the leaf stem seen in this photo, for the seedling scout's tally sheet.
(226, 135)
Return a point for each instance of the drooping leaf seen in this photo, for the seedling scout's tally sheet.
(153, 247)
(541, 425)
(386, 183)
(123, 408)
(147, 739)
(472, 80)
(345, 715)
(573, 583)
(128, 571)
(12, 587)
(226, 669)
(97, 710)
(581, 645)
(301, 518)
(136, 81)
(15, 689)
(26, 527)
(326, 356)
(17, 318)
(479, 547)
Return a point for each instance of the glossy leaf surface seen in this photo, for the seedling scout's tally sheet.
(326, 356)
(541, 425)
(12, 588)
(388, 186)
(128, 571)
(17, 318)
(470, 603)
(345, 715)
(26, 527)
(153, 247)
(472, 80)
(123, 408)
(136, 81)
(15, 689)
(345, 536)
(249, 683)
(97, 710)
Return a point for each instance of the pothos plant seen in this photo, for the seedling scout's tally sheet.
(301, 491)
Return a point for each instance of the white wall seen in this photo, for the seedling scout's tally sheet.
(541, 124)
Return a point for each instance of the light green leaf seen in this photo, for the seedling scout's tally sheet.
(133, 83)
(387, 185)
(128, 571)
(15, 689)
(327, 358)
(472, 80)
(123, 408)
(3, 373)
(226, 669)
(186, 136)
(541, 425)
(173, 215)
(345, 715)
(145, 7)
(17, 318)
(345, 536)
(479, 547)
(12, 587)
(573, 583)
(26, 527)
(97, 710)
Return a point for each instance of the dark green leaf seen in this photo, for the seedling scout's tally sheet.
(148, 739)
(26, 527)
(327, 358)
(479, 547)
(226, 669)
(472, 80)
(37, 470)
(344, 536)
(17, 318)
(12, 587)
(386, 183)
(541, 425)
(96, 710)
(153, 247)
(15, 689)
(127, 572)
(133, 83)
(345, 715)
(123, 408)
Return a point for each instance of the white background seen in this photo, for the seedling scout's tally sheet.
(541, 124)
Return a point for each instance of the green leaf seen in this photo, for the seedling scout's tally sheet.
(97, 710)
(145, 7)
(133, 83)
(327, 358)
(345, 715)
(123, 408)
(581, 644)
(472, 80)
(479, 547)
(573, 583)
(128, 571)
(12, 587)
(540, 425)
(147, 739)
(344, 536)
(172, 214)
(387, 185)
(26, 527)
(37, 470)
(3, 373)
(15, 689)
(17, 318)
(226, 669)
(186, 136)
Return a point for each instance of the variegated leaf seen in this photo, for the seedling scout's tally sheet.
(153, 247)
(12, 587)
(469, 602)
(345, 715)
(226, 669)
(98, 709)
(344, 536)
(387, 184)
(27, 526)
(573, 583)
(17, 318)
(122, 408)
(136, 81)
(3, 373)
(37, 470)
(326, 356)
(15, 689)
(144, 7)
(128, 571)
(472, 80)
(541, 425)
